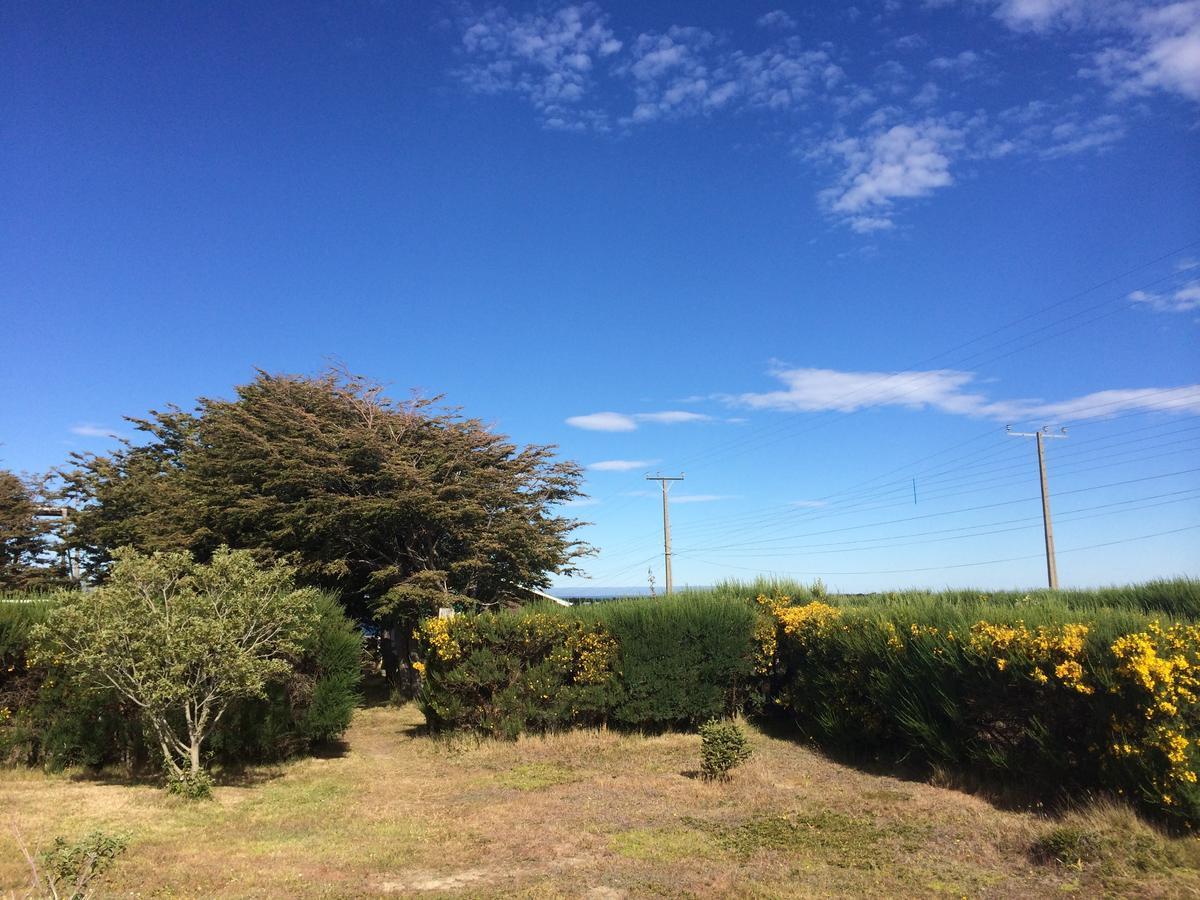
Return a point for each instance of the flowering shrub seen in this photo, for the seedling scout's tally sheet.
(504, 674)
(636, 664)
(1054, 706)
(1156, 726)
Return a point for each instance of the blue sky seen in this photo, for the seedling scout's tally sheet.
(805, 253)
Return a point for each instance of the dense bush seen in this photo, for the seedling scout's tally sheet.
(682, 661)
(50, 720)
(1056, 693)
(723, 747)
(505, 674)
(636, 664)
(1036, 694)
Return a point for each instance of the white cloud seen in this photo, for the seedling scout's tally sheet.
(948, 391)
(88, 429)
(966, 64)
(603, 421)
(1164, 54)
(777, 19)
(547, 58)
(700, 498)
(671, 417)
(903, 161)
(1143, 47)
(1182, 300)
(615, 421)
(621, 465)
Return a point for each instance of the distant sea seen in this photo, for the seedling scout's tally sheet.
(602, 593)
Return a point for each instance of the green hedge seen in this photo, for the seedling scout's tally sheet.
(47, 720)
(1038, 696)
(1056, 694)
(645, 664)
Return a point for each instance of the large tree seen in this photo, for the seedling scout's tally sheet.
(26, 558)
(401, 506)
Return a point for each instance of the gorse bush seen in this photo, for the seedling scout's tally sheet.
(505, 674)
(1039, 696)
(723, 747)
(636, 664)
(1056, 693)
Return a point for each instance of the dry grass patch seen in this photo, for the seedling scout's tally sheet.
(587, 812)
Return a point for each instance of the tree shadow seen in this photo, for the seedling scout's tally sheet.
(992, 788)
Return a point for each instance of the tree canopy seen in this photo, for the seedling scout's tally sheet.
(400, 506)
(25, 539)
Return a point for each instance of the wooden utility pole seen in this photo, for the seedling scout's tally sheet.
(664, 480)
(1051, 568)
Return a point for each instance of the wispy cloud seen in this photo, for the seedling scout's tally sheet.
(547, 58)
(701, 498)
(777, 19)
(890, 139)
(615, 421)
(903, 161)
(949, 391)
(1184, 299)
(603, 421)
(1142, 48)
(89, 429)
(621, 465)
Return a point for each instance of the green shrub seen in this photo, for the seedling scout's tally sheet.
(636, 664)
(49, 719)
(723, 746)
(66, 871)
(190, 785)
(1043, 696)
(312, 707)
(682, 660)
(503, 674)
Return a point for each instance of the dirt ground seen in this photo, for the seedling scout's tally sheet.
(586, 814)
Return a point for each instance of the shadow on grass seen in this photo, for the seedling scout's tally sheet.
(994, 789)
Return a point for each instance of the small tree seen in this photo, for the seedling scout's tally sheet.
(723, 747)
(180, 641)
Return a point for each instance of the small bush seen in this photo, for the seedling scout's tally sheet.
(190, 785)
(66, 871)
(723, 746)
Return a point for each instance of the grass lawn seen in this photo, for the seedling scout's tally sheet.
(590, 814)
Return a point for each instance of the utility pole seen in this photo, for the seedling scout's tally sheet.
(665, 480)
(1051, 569)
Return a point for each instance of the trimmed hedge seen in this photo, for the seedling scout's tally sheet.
(635, 664)
(47, 720)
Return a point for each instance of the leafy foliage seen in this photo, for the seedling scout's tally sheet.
(723, 747)
(181, 641)
(399, 507)
(1038, 695)
(683, 660)
(503, 674)
(24, 539)
(638, 664)
(67, 871)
